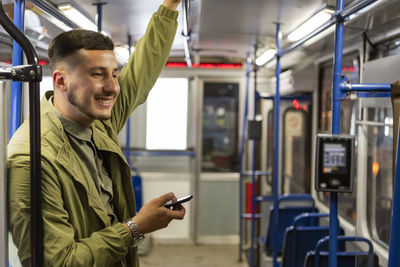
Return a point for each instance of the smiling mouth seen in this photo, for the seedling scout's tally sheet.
(104, 101)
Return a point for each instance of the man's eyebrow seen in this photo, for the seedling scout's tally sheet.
(102, 69)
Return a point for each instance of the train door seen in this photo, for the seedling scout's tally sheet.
(296, 163)
(219, 163)
(296, 143)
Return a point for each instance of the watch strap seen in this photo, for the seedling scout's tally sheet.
(138, 236)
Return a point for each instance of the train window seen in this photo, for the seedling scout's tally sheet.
(167, 114)
(351, 71)
(379, 173)
(348, 115)
(297, 141)
(220, 127)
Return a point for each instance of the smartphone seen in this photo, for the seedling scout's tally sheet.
(179, 201)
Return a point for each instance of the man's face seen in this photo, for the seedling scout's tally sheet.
(91, 86)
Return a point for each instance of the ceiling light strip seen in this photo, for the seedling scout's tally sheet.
(78, 17)
(346, 13)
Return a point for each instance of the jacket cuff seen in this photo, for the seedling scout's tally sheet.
(124, 233)
(166, 12)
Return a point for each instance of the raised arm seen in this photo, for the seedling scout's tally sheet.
(146, 63)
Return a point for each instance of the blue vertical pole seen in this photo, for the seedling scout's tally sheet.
(17, 59)
(276, 149)
(128, 123)
(241, 155)
(99, 6)
(336, 96)
(99, 16)
(394, 247)
(128, 141)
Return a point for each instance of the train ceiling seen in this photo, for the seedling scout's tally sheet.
(221, 30)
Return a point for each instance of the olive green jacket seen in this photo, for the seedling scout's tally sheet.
(77, 230)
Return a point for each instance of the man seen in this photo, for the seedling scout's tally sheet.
(87, 198)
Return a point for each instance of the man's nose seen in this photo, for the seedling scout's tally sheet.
(111, 84)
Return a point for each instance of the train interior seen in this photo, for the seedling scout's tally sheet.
(208, 125)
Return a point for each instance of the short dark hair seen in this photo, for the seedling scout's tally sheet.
(70, 42)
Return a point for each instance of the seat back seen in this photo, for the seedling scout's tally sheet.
(299, 240)
(344, 259)
(286, 216)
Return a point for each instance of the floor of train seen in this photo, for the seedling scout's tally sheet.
(173, 255)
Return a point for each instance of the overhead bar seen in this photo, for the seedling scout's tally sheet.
(356, 7)
(186, 32)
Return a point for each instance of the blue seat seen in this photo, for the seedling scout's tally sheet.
(298, 240)
(137, 188)
(344, 258)
(286, 215)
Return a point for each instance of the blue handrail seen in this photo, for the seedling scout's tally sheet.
(296, 197)
(365, 87)
(128, 122)
(337, 79)
(17, 59)
(306, 215)
(394, 245)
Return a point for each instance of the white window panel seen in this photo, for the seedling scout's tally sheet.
(167, 114)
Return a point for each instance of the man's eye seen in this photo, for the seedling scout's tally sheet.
(97, 74)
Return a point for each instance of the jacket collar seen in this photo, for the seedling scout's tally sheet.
(51, 122)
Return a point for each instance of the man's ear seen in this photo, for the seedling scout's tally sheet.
(59, 79)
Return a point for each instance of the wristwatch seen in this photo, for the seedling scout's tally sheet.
(138, 236)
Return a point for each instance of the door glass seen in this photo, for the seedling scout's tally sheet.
(220, 127)
(296, 152)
